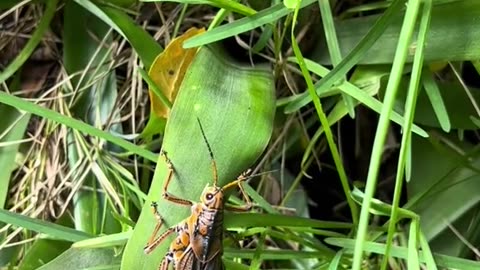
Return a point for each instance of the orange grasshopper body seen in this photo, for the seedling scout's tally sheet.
(198, 245)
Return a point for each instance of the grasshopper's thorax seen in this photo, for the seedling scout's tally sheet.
(212, 197)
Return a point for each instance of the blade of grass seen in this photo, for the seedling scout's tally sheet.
(228, 5)
(86, 49)
(110, 240)
(259, 199)
(380, 208)
(333, 46)
(257, 261)
(239, 220)
(267, 254)
(410, 105)
(357, 93)
(40, 226)
(351, 59)
(323, 119)
(33, 108)
(433, 93)
(335, 263)
(12, 129)
(265, 16)
(412, 259)
(382, 128)
(155, 88)
(32, 43)
(429, 260)
(449, 262)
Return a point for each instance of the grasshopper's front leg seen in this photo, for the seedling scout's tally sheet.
(238, 182)
(166, 195)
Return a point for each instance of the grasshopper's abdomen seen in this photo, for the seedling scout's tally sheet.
(207, 236)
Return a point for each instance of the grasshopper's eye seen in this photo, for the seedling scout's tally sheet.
(209, 196)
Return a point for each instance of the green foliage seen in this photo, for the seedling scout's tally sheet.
(76, 179)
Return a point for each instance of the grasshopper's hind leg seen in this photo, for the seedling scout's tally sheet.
(165, 263)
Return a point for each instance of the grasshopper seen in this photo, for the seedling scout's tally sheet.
(199, 241)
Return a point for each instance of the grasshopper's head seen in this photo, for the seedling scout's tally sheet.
(212, 197)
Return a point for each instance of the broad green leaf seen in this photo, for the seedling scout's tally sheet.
(235, 105)
(454, 35)
(439, 176)
(41, 252)
(82, 259)
(143, 43)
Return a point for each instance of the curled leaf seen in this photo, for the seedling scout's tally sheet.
(168, 70)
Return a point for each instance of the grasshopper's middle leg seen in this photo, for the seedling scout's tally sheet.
(154, 241)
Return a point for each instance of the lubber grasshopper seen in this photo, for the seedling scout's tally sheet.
(198, 245)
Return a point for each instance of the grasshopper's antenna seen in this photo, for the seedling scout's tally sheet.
(214, 164)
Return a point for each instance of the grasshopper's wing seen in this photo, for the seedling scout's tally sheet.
(206, 237)
(188, 261)
(215, 264)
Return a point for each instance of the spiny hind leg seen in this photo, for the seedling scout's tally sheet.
(165, 263)
(166, 195)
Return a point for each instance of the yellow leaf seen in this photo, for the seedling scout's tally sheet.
(168, 70)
